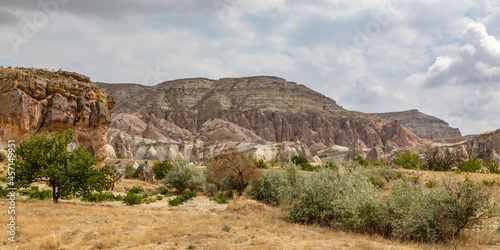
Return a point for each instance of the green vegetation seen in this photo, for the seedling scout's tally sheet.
(352, 201)
(408, 160)
(471, 165)
(130, 172)
(302, 162)
(220, 198)
(181, 199)
(101, 197)
(431, 183)
(161, 168)
(69, 173)
(492, 167)
(183, 176)
(35, 193)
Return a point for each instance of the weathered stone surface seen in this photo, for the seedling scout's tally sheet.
(484, 146)
(145, 172)
(251, 109)
(375, 154)
(121, 147)
(422, 125)
(354, 151)
(35, 101)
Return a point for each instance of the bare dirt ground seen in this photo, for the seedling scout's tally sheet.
(198, 223)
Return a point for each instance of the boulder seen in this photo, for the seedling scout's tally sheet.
(145, 172)
(354, 151)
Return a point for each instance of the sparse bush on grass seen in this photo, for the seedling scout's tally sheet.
(161, 168)
(431, 183)
(181, 199)
(101, 197)
(471, 165)
(132, 199)
(165, 192)
(136, 190)
(408, 160)
(226, 227)
(183, 176)
(302, 162)
(130, 172)
(492, 167)
(489, 183)
(3, 192)
(385, 173)
(35, 193)
(220, 198)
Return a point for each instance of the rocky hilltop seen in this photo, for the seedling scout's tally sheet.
(422, 125)
(35, 101)
(258, 110)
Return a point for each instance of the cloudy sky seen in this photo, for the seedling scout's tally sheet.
(441, 57)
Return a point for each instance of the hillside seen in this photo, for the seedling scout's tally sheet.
(422, 125)
(259, 109)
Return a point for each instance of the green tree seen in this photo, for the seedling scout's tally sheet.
(67, 172)
(161, 168)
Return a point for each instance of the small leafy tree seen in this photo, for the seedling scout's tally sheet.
(408, 160)
(471, 165)
(302, 162)
(184, 176)
(161, 168)
(67, 172)
(232, 164)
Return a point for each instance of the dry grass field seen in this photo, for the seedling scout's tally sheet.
(199, 223)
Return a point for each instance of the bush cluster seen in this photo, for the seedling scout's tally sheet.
(161, 168)
(184, 176)
(492, 167)
(352, 201)
(130, 172)
(3, 192)
(101, 197)
(181, 199)
(408, 160)
(302, 162)
(471, 165)
(35, 193)
(220, 198)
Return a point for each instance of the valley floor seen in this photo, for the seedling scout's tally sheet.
(199, 223)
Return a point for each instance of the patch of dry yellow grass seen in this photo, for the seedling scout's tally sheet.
(253, 225)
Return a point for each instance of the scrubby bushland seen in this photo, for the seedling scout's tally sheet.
(352, 201)
(408, 160)
(231, 169)
(35, 193)
(101, 197)
(183, 176)
(471, 165)
(161, 168)
(181, 199)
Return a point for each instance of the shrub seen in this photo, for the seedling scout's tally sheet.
(35, 193)
(431, 183)
(136, 190)
(132, 199)
(183, 176)
(220, 198)
(100, 197)
(165, 192)
(3, 157)
(361, 161)
(408, 160)
(261, 164)
(385, 173)
(492, 167)
(273, 185)
(377, 182)
(4, 192)
(130, 172)
(273, 162)
(471, 165)
(330, 165)
(435, 164)
(161, 168)
(230, 165)
(181, 199)
(302, 162)
(489, 183)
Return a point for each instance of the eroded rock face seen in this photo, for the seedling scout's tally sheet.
(422, 125)
(35, 101)
(484, 146)
(354, 151)
(259, 110)
(145, 172)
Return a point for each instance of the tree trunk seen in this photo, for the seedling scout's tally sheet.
(55, 198)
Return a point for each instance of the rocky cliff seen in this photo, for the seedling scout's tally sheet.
(252, 109)
(35, 101)
(422, 125)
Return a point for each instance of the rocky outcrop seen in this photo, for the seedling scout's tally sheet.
(121, 147)
(35, 101)
(354, 151)
(422, 125)
(484, 146)
(145, 172)
(376, 154)
(261, 110)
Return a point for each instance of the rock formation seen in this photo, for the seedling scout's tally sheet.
(261, 110)
(422, 125)
(35, 101)
(145, 172)
(484, 146)
(354, 151)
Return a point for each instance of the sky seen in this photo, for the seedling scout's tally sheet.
(440, 57)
